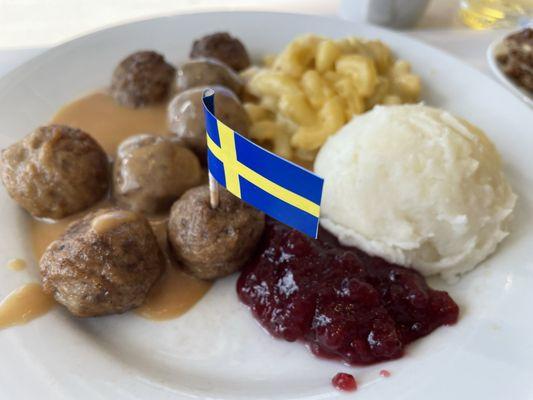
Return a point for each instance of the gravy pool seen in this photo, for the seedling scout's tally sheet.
(109, 123)
(24, 304)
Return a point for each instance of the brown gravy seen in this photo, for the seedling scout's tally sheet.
(173, 295)
(110, 220)
(16, 264)
(44, 232)
(24, 304)
(110, 124)
(175, 292)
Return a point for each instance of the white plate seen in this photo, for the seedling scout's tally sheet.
(217, 350)
(492, 52)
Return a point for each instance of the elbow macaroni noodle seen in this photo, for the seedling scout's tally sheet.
(316, 85)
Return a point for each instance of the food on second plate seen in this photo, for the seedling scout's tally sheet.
(55, 171)
(416, 186)
(104, 263)
(152, 171)
(213, 242)
(516, 58)
(342, 302)
(224, 47)
(206, 72)
(186, 116)
(141, 79)
(316, 85)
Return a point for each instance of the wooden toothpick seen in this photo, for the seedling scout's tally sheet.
(214, 191)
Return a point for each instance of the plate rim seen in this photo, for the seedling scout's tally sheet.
(375, 30)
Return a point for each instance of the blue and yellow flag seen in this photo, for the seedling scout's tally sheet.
(279, 188)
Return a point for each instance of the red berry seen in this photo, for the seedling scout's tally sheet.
(384, 373)
(345, 382)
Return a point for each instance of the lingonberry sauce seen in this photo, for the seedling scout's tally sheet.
(342, 302)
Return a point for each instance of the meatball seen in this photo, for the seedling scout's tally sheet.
(186, 116)
(151, 172)
(205, 72)
(55, 171)
(223, 47)
(104, 263)
(212, 243)
(141, 79)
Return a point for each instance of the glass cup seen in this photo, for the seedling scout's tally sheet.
(399, 14)
(485, 14)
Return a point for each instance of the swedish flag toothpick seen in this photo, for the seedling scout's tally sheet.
(281, 189)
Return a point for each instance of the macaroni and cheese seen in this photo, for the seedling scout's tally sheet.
(316, 85)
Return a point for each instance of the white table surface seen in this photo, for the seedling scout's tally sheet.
(439, 27)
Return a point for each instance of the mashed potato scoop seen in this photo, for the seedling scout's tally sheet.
(416, 186)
